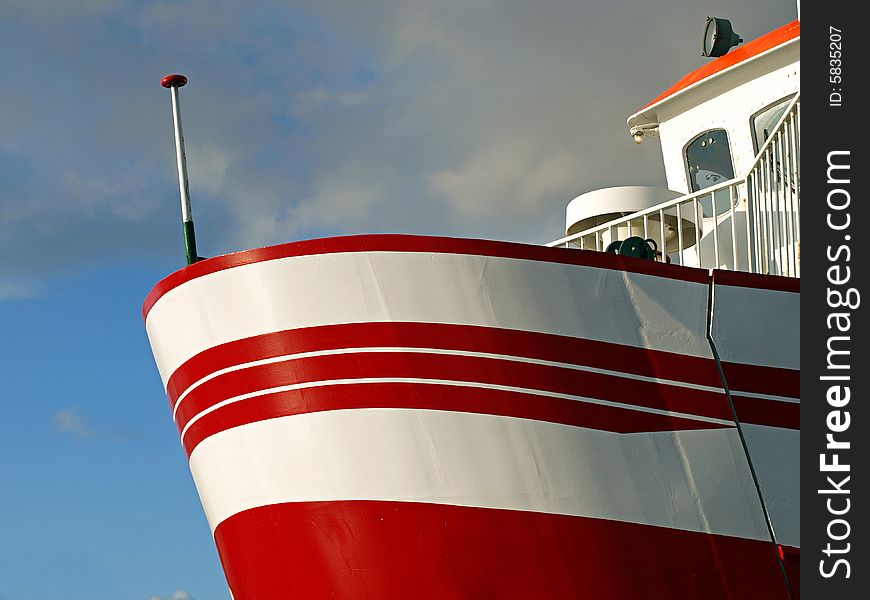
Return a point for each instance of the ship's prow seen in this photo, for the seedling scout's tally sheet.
(401, 416)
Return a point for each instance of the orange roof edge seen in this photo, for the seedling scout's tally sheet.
(755, 47)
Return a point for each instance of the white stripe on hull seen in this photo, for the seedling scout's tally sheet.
(757, 327)
(593, 303)
(776, 458)
(691, 480)
(762, 327)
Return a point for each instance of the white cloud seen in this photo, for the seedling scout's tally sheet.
(507, 178)
(17, 290)
(316, 99)
(177, 595)
(71, 421)
(316, 118)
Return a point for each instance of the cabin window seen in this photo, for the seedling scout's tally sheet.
(765, 120)
(708, 160)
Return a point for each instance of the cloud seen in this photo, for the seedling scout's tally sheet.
(177, 595)
(316, 99)
(317, 118)
(17, 290)
(71, 421)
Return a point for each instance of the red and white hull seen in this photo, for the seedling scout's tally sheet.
(406, 417)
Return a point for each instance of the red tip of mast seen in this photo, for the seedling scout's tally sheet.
(173, 80)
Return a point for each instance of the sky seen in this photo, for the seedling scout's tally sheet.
(302, 119)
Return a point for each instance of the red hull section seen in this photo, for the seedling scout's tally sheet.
(401, 550)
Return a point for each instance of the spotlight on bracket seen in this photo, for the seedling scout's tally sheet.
(719, 37)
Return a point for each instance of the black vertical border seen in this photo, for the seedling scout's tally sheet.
(827, 128)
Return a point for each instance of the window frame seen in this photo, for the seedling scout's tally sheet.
(687, 167)
(756, 145)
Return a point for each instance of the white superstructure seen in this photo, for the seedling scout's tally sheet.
(730, 140)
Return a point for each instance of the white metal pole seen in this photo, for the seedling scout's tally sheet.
(173, 82)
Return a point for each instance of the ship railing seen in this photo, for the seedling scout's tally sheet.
(749, 223)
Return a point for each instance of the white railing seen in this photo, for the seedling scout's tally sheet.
(749, 224)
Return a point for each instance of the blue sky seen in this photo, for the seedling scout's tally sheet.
(302, 119)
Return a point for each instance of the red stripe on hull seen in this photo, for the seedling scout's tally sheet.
(754, 280)
(412, 243)
(396, 550)
(762, 380)
(772, 413)
(542, 346)
(452, 368)
(433, 397)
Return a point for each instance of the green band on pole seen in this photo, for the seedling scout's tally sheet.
(190, 243)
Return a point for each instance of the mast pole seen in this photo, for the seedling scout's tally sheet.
(173, 82)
